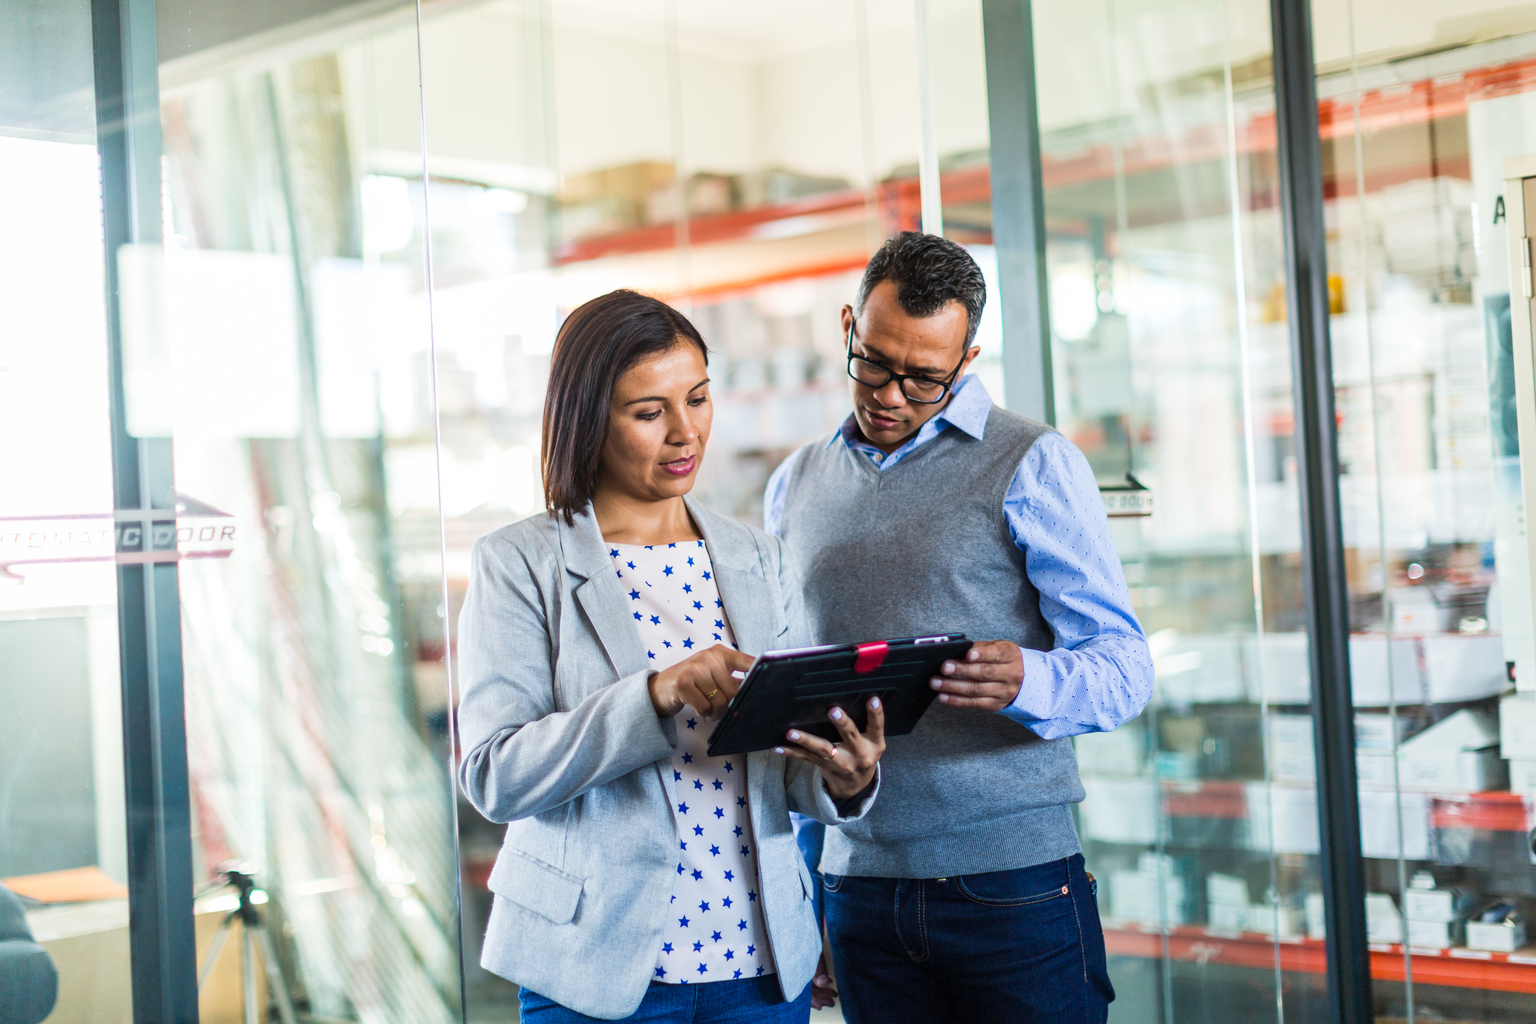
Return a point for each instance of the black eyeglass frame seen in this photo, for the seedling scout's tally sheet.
(945, 386)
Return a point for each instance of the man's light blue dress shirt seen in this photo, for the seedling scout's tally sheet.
(1099, 676)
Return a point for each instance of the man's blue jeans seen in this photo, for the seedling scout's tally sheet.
(1006, 947)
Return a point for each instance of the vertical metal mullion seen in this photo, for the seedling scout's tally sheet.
(162, 943)
(1322, 533)
(1018, 207)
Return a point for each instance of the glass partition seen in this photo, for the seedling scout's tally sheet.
(292, 370)
(1418, 115)
(63, 828)
(1172, 373)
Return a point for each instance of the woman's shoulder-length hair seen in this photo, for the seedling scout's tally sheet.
(600, 341)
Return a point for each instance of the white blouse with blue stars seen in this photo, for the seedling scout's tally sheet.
(715, 931)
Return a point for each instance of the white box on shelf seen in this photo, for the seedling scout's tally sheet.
(1229, 889)
(1517, 727)
(1431, 904)
(1381, 811)
(1502, 937)
(1461, 771)
(1133, 896)
(1462, 666)
(1285, 921)
(1382, 921)
(1277, 668)
(1227, 917)
(1433, 934)
(1463, 730)
(1317, 925)
(1377, 682)
(1522, 777)
(1376, 733)
(1288, 747)
(1282, 818)
(1415, 610)
(1374, 771)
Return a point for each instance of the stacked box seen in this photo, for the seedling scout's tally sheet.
(1436, 917)
(1383, 923)
(1134, 895)
(1227, 905)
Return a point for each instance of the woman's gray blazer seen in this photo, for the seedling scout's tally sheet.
(561, 740)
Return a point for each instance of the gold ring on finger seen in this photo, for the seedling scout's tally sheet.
(711, 694)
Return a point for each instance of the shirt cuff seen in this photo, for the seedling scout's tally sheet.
(1025, 708)
(852, 809)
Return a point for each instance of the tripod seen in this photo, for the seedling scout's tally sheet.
(252, 931)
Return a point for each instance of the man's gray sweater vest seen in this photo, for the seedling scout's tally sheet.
(920, 549)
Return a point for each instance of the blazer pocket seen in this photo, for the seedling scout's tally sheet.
(540, 887)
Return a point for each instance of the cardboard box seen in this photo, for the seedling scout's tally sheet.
(1374, 771)
(1462, 771)
(1434, 934)
(1517, 727)
(1287, 920)
(1382, 921)
(1463, 666)
(1228, 889)
(1227, 917)
(1430, 904)
(1503, 937)
(1458, 754)
(1377, 733)
(1317, 926)
(1522, 777)
(1134, 896)
(1383, 924)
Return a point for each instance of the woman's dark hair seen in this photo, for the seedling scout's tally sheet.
(929, 272)
(598, 343)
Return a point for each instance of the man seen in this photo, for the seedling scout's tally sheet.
(962, 896)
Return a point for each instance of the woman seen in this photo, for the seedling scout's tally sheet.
(639, 876)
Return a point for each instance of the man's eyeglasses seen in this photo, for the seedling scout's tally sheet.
(918, 389)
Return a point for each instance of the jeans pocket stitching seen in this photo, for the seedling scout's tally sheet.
(832, 886)
(1019, 902)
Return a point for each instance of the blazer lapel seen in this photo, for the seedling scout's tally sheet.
(601, 597)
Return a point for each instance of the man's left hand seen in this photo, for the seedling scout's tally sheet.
(988, 679)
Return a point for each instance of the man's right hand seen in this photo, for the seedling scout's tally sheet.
(702, 681)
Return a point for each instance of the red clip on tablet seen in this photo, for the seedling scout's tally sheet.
(871, 657)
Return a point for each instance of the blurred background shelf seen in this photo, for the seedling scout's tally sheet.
(1458, 968)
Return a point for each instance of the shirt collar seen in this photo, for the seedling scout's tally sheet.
(968, 408)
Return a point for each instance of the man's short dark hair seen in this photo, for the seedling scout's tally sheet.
(598, 343)
(929, 272)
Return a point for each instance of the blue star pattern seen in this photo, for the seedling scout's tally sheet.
(716, 878)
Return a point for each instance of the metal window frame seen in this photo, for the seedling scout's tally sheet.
(1322, 530)
(161, 932)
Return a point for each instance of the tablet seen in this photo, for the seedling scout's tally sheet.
(795, 690)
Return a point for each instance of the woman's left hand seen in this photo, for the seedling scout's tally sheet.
(847, 767)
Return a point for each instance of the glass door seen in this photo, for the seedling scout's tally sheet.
(1417, 128)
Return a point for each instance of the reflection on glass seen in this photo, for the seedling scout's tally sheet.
(298, 393)
(1420, 281)
(63, 853)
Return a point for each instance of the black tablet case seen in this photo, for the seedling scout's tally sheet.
(795, 690)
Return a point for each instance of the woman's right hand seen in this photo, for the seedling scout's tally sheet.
(702, 681)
